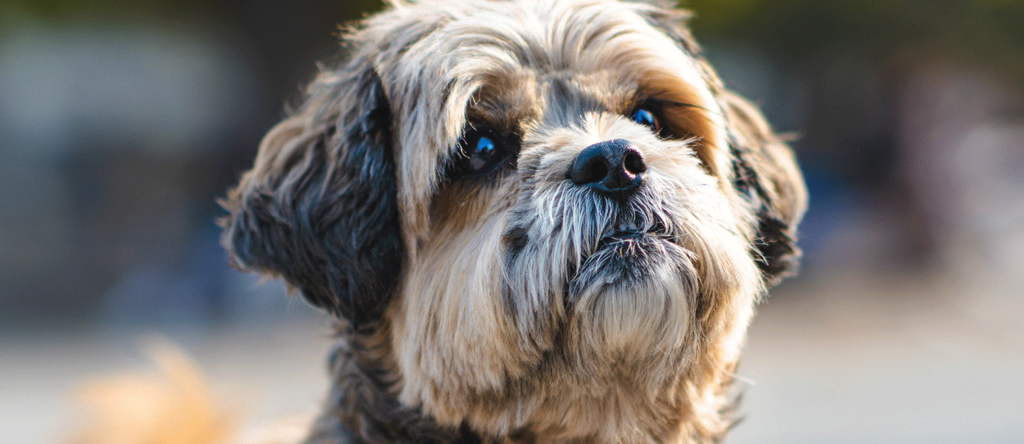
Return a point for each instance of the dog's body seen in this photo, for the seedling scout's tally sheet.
(535, 221)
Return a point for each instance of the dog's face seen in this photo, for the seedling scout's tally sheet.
(551, 214)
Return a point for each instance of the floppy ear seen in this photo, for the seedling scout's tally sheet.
(766, 173)
(319, 207)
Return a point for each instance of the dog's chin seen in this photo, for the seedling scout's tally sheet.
(632, 297)
(624, 258)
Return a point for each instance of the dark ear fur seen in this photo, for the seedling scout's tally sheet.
(766, 173)
(319, 207)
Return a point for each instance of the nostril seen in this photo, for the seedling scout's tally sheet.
(634, 162)
(591, 165)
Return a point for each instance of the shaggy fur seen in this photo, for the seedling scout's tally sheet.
(517, 305)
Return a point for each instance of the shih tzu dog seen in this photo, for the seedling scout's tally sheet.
(535, 221)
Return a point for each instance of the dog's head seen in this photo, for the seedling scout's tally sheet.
(552, 213)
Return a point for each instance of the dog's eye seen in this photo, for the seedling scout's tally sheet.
(481, 151)
(647, 118)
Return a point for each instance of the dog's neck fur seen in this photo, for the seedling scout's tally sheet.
(362, 405)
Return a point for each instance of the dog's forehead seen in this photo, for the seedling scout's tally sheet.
(520, 102)
(568, 95)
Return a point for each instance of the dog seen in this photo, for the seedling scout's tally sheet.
(534, 221)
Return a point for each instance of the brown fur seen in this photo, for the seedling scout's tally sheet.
(490, 309)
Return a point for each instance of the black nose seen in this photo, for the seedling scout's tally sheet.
(613, 167)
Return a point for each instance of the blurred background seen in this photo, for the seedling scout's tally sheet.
(122, 122)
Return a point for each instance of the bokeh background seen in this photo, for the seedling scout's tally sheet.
(121, 122)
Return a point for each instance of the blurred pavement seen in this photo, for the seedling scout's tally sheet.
(891, 360)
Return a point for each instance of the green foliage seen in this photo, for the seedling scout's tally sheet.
(797, 31)
(802, 28)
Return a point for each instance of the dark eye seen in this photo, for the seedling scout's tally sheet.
(480, 151)
(647, 118)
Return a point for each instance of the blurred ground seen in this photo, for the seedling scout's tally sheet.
(848, 359)
(868, 359)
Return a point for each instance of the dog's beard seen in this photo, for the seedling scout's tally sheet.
(631, 299)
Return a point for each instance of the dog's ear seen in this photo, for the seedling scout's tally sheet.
(766, 173)
(319, 207)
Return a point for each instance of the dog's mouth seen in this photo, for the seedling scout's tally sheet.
(627, 253)
(631, 230)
